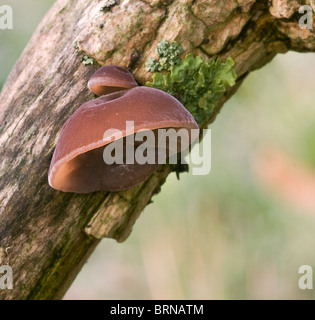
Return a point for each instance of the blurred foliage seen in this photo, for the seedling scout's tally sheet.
(221, 236)
(26, 16)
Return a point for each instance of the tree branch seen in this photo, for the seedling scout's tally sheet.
(50, 232)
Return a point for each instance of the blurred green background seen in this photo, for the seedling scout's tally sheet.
(241, 232)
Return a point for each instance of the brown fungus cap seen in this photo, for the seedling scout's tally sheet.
(110, 79)
(77, 164)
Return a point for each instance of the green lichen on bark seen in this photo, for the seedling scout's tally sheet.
(168, 56)
(85, 59)
(196, 83)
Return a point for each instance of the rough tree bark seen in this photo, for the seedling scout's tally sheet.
(46, 235)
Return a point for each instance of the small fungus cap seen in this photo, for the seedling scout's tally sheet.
(78, 165)
(110, 79)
